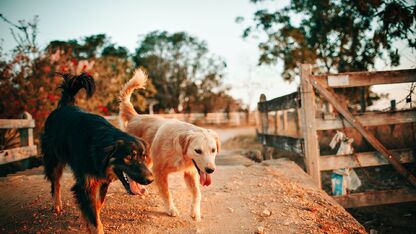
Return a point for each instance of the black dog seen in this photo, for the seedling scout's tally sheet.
(95, 150)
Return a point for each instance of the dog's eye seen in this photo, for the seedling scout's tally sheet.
(213, 150)
(198, 151)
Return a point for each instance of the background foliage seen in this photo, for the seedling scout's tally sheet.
(184, 76)
(334, 36)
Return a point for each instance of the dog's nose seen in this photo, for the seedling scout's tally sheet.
(209, 170)
(150, 179)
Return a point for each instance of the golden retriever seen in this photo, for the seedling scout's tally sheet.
(173, 146)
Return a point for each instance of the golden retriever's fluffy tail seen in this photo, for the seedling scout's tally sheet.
(138, 81)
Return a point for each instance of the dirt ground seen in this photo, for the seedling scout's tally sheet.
(272, 197)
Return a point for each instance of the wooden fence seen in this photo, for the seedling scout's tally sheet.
(27, 148)
(284, 134)
(307, 143)
(217, 118)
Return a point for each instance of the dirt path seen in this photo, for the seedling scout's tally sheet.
(241, 200)
(274, 197)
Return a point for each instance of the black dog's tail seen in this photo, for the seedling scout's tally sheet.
(72, 84)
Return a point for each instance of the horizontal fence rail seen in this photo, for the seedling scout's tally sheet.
(16, 154)
(281, 142)
(17, 123)
(357, 79)
(213, 118)
(374, 198)
(365, 159)
(368, 119)
(281, 103)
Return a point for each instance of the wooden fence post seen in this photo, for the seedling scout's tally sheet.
(264, 125)
(276, 122)
(298, 115)
(26, 134)
(237, 118)
(309, 126)
(285, 127)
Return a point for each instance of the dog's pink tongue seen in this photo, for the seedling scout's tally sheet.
(205, 179)
(136, 188)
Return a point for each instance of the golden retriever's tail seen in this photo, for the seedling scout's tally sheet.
(138, 81)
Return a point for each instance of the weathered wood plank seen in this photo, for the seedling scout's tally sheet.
(284, 121)
(276, 122)
(368, 119)
(355, 79)
(17, 123)
(281, 142)
(264, 125)
(331, 98)
(298, 122)
(376, 198)
(26, 136)
(16, 154)
(366, 159)
(309, 126)
(280, 103)
(264, 116)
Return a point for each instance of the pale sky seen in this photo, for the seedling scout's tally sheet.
(124, 20)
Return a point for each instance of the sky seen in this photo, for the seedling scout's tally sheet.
(212, 21)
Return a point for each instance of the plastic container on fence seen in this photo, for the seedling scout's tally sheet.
(339, 184)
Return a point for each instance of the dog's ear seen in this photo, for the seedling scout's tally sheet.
(144, 145)
(217, 139)
(112, 149)
(181, 142)
(109, 152)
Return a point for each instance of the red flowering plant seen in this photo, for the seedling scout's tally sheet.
(28, 80)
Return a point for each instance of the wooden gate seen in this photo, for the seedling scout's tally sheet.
(310, 124)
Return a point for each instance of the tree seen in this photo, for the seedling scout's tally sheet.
(25, 79)
(28, 75)
(87, 48)
(335, 36)
(109, 64)
(24, 33)
(115, 51)
(177, 64)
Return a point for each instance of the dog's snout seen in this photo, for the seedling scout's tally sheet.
(149, 179)
(209, 170)
(146, 181)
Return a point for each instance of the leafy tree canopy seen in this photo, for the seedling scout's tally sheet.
(115, 51)
(178, 65)
(336, 36)
(186, 76)
(88, 47)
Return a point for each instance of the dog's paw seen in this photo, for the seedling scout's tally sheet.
(95, 229)
(173, 212)
(57, 208)
(196, 217)
(57, 205)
